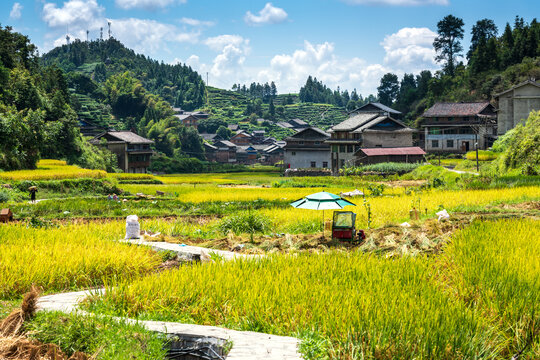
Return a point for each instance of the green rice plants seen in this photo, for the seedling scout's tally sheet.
(349, 300)
(246, 222)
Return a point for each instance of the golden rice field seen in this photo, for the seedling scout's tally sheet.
(481, 299)
(67, 257)
(52, 170)
(391, 209)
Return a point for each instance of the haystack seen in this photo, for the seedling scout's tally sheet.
(15, 346)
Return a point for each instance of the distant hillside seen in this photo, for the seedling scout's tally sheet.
(99, 60)
(231, 107)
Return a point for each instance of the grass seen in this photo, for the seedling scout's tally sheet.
(327, 294)
(66, 257)
(52, 170)
(473, 302)
(107, 339)
(483, 155)
(496, 267)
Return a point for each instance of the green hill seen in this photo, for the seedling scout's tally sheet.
(98, 60)
(231, 108)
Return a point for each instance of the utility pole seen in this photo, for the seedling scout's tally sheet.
(476, 146)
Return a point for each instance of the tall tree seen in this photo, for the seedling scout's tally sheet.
(484, 30)
(389, 89)
(447, 44)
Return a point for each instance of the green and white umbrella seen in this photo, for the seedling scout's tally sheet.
(322, 201)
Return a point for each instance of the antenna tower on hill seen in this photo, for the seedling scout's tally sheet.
(109, 23)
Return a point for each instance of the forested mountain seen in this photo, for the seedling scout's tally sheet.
(36, 119)
(177, 84)
(112, 87)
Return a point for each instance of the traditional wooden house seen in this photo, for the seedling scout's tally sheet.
(456, 127)
(132, 151)
(366, 130)
(225, 151)
(307, 149)
(241, 138)
(516, 103)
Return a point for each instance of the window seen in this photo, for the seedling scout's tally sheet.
(334, 148)
(293, 153)
(435, 143)
(378, 145)
(449, 143)
(434, 131)
(313, 164)
(349, 148)
(325, 164)
(317, 143)
(300, 143)
(341, 148)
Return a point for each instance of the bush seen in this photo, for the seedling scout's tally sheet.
(4, 196)
(248, 222)
(519, 147)
(385, 168)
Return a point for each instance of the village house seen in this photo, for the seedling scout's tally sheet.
(224, 152)
(366, 130)
(515, 104)
(307, 149)
(132, 151)
(241, 138)
(189, 118)
(273, 154)
(457, 127)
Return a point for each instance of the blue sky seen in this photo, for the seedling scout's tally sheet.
(345, 43)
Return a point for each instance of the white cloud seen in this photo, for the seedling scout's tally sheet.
(410, 50)
(79, 14)
(146, 4)
(398, 2)
(268, 15)
(196, 22)
(149, 35)
(16, 11)
(141, 35)
(218, 43)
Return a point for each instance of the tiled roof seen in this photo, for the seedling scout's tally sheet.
(380, 106)
(299, 133)
(355, 121)
(411, 150)
(456, 109)
(127, 136)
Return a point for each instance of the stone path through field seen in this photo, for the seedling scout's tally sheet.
(189, 251)
(247, 345)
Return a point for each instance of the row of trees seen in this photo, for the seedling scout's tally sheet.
(489, 58)
(265, 92)
(315, 91)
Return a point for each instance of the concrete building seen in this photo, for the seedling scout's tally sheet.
(515, 104)
(307, 149)
(132, 151)
(456, 127)
(366, 130)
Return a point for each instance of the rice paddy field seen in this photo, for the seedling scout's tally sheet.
(463, 288)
